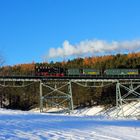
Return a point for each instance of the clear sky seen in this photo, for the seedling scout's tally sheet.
(29, 28)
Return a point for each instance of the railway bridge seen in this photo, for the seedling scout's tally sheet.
(56, 96)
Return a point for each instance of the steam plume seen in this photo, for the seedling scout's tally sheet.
(95, 47)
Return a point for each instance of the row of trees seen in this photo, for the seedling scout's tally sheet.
(131, 60)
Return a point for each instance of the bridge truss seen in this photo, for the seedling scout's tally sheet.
(127, 98)
(59, 92)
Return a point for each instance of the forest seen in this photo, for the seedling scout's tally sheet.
(28, 97)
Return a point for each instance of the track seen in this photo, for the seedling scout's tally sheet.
(96, 77)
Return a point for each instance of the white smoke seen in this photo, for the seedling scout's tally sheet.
(95, 47)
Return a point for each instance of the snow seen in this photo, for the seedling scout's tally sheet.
(95, 110)
(21, 125)
(127, 110)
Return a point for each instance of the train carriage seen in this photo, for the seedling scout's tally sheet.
(91, 72)
(121, 72)
(74, 71)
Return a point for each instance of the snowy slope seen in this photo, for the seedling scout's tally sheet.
(18, 125)
(127, 110)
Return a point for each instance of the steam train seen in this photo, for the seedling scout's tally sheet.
(60, 71)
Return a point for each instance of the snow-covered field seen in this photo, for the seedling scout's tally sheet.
(18, 125)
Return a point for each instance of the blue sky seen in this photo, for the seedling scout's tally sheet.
(30, 28)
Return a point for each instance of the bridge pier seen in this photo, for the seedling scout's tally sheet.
(41, 96)
(56, 94)
(127, 93)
